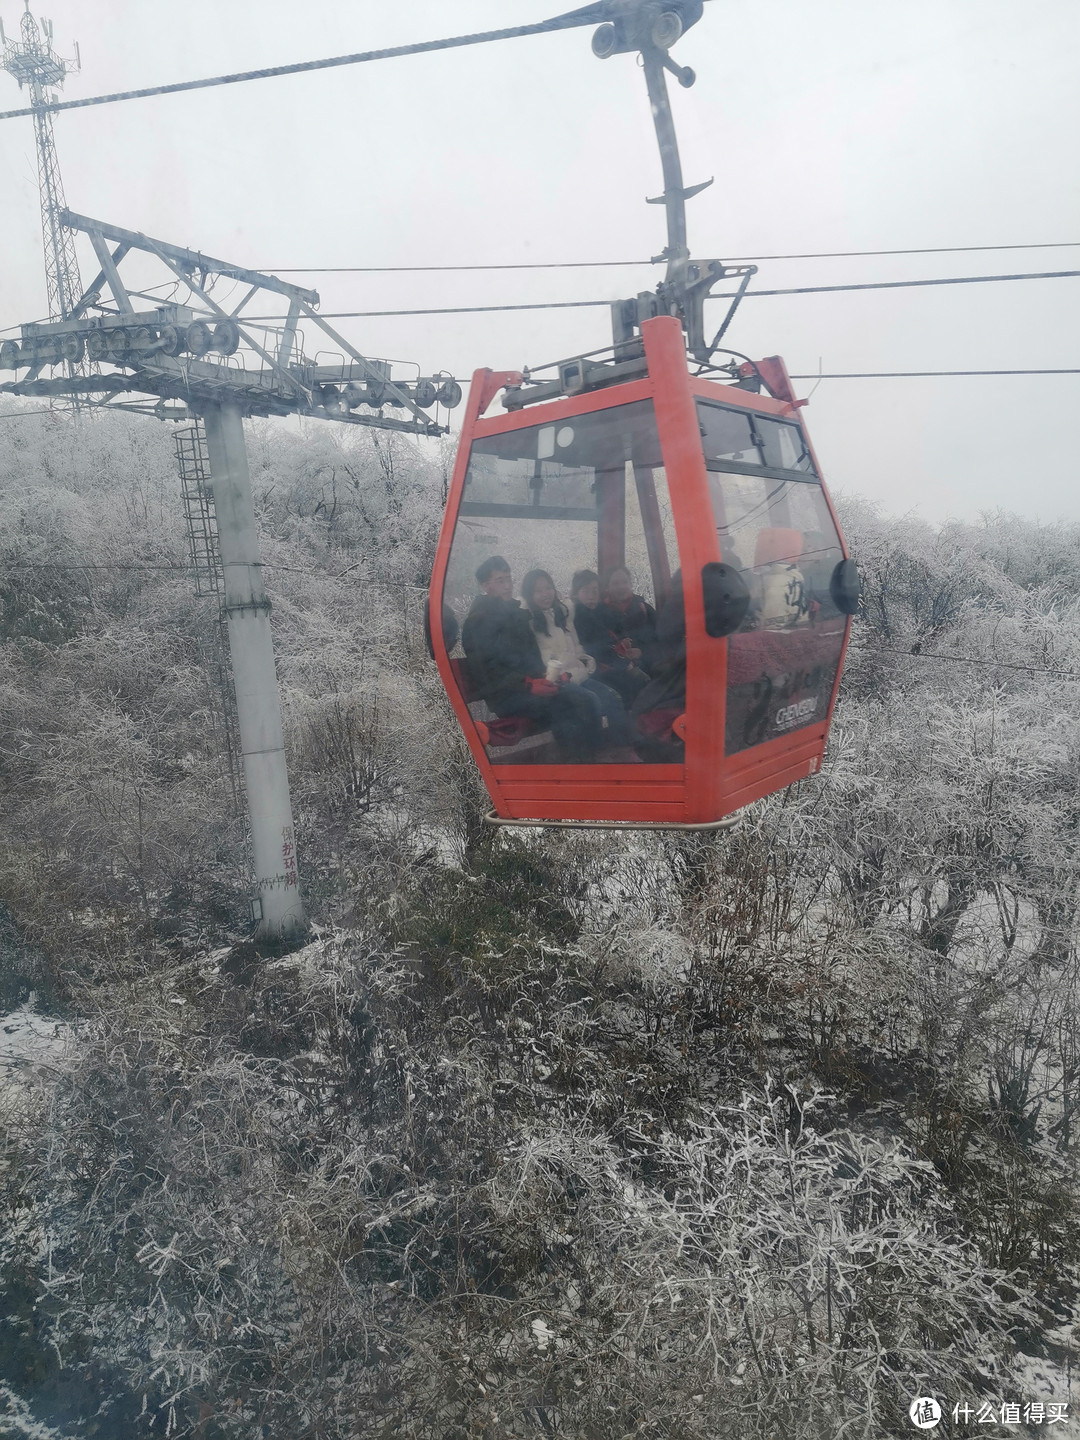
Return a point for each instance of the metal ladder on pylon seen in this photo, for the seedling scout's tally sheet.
(193, 463)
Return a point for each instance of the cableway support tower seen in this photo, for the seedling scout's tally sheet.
(194, 362)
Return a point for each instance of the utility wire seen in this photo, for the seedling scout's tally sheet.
(963, 660)
(726, 295)
(596, 304)
(840, 375)
(906, 284)
(452, 310)
(923, 374)
(411, 269)
(655, 260)
(182, 569)
(455, 42)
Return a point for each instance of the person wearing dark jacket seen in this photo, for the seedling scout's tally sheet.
(667, 690)
(633, 619)
(507, 671)
(594, 624)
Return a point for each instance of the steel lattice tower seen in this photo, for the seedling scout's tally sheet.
(34, 63)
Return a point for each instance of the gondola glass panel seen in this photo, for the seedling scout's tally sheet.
(586, 493)
(775, 526)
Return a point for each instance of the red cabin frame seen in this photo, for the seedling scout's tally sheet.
(709, 784)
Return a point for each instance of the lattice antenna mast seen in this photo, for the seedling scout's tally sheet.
(36, 65)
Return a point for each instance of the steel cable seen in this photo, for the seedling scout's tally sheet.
(455, 42)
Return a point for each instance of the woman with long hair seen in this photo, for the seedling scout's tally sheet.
(568, 664)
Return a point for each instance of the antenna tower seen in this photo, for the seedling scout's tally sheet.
(34, 63)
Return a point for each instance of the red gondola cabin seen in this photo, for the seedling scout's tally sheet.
(710, 495)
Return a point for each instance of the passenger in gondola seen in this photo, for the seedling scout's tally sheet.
(819, 559)
(633, 619)
(450, 628)
(663, 699)
(779, 592)
(569, 665)
(594, 625)
(508, 672)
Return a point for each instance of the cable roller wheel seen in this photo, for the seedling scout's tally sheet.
(354, 395)
(666, 29)
(140, 340)
(604, 41)
(449, 394)
(171, 340)
(9, 355)
(199, 337)
(116, 344)
(71, 348)
(425, 394)
(96, 347)
(226, 339)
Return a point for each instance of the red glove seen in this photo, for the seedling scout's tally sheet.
(537, 685)
(623, 648)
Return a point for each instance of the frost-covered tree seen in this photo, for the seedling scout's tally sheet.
(566, 1135)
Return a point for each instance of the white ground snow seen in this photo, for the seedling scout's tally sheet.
(28, 1041)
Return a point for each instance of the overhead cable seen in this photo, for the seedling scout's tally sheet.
(182, 569)
(655, 260)
(419, 269)
(597, 304)
(922, 374)
(450, 310)
(964, 660)
(905, 284)
(455, 42)
(726, 295)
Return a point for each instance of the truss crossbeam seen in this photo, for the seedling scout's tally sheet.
(195, 351)
(190, 260)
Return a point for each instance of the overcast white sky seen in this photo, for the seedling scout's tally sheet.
(828, 124)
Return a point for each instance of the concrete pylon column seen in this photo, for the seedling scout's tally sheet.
(258, 704)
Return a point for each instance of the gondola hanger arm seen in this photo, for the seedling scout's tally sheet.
(651, 27)
(493, 382)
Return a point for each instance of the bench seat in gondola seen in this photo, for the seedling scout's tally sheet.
(505, 737)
